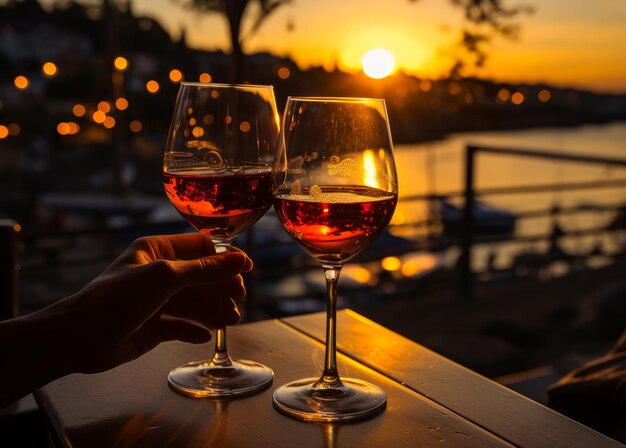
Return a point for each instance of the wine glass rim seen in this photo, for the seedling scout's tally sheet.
(334, 99)
(225, 85)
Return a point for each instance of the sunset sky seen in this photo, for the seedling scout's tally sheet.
(565, 42)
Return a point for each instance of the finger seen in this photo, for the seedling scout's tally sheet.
(249, 264)
(161, 279)
(220, 312)
(161, 328)
(228, 314)
(173, 276)
(182, 330)
(184, 246)
(233, 288)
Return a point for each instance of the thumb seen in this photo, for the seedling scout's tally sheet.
(211, 270)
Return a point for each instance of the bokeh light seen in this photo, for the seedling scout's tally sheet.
(121, 63)
(21, 82)
(454, 88)
(517, 98)
(425, 85)
(99, 116)
(63, 128)
(104, 106)
(391, 263)
(135, 126)
(176, 75)
(74, 127)
(152, 86)
(544, 95)
(204, 77)
(504, 94)
(109, 122)
(78, 110)
(49, 69)
(121, 103)
(14, 129)
(284, 73)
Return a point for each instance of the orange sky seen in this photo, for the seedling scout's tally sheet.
(566, 42)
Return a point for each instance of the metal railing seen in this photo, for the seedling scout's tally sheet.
(472, 151)
(9, 237)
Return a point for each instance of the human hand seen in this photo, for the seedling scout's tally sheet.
(161, 288)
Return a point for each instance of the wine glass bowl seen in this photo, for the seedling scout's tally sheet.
(335, 190)
(217, 174)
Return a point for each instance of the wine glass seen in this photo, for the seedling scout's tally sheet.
(335, 190)
(216, 172)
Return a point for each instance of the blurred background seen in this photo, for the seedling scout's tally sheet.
(516, 109)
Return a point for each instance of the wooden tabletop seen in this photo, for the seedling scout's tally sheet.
(432, 402)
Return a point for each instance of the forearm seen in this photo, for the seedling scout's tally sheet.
(33, 352)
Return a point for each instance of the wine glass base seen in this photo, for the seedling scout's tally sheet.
(358, 400)
(201, 379)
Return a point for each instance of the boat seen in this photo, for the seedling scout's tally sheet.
(488, 220)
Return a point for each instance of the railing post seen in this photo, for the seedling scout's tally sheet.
(8, 269)
(465, 265)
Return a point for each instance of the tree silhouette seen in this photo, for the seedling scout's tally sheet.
(484, 20)
(233, 11)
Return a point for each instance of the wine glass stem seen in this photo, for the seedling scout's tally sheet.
(330, 377)
(221, 357)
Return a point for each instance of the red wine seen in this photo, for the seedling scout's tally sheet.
(222, 205)
(335, 223)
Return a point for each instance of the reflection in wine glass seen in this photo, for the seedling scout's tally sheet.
(216, 172)
(335, 190)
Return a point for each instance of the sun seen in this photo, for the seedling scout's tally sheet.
(378, 63)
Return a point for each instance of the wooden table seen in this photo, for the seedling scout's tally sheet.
(432, 402)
